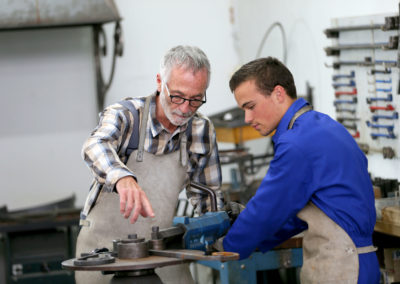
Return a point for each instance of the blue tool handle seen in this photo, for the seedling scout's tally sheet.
(372, 125)
(389, 135)
(384, 90)
(389, 98)
(338, 76)
(384, 81)
(377, 117)
(353, 101)
(350, 84)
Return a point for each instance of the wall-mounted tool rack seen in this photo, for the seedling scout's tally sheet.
(366, 61)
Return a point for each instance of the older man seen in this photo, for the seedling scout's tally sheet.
(176, 145)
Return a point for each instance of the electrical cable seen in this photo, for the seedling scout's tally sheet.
(284, 43)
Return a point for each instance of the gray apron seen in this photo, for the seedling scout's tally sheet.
(329, 254)
(161, 177)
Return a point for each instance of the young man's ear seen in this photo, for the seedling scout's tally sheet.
(279, 93)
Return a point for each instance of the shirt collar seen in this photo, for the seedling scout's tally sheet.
(155, 125)
(284, 123)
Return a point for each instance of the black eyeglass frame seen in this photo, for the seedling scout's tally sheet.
(181, 100)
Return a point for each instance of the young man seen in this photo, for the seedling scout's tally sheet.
(179, 146)
(318, 182)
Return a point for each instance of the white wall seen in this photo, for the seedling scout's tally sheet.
(47, 110)
(304, 22)
(45, 118)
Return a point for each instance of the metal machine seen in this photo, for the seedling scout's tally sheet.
(134, 258)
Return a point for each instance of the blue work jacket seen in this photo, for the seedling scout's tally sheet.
(318, 161)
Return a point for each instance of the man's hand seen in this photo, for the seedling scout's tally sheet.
(131, 196)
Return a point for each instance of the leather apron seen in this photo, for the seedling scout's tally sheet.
(329, 254)
(162, 177)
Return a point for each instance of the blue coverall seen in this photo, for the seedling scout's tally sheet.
(318, 161)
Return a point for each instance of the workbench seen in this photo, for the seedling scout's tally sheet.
(34, 243)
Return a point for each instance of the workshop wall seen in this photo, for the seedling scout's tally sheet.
(47, 110)
(40, 141)
(304, 23)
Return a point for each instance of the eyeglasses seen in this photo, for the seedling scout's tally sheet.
(180, 100)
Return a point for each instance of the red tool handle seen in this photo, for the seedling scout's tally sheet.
(388, 107)
(354, 92)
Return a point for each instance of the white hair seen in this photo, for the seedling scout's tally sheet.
(190, 57)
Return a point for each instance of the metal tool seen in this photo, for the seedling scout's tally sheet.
(376, 117)
(352, 101)
(387, 152)
(96, 257)
(384, 135)
(351, 83)
(391, 44)
(339, 76)
(389, 107)
(377, 71)
(350, 126)
(356, 135)
(388, 98)
(367, 62)
(343, 119)
(345, 110)
(374, 125)
(351, 93)
(389, 90)
(189, 239)
(391, 23)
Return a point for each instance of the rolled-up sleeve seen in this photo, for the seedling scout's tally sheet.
(100, 150)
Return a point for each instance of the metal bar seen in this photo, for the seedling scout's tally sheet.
(213, 196)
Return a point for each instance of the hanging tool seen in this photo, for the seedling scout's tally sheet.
(339, 76)
(374, 125)
(353, 92)
(393, 43)
(350, 126)
(376, 117)
(356, 135)
(389, 135)
(351, 83)
(384, 81)
(391, 23)
(352, 101)
(367, 62)
(376, 71)
(387, 152)
(389, 90)
(345, 110)
(389, 107)
(389, 98)
(343, 119)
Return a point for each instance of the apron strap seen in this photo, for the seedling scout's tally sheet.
(142, 134)
(301, 111)
(366, 249)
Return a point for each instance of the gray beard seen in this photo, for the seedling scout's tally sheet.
(169, 114)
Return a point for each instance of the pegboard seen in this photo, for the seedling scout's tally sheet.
(365, 81)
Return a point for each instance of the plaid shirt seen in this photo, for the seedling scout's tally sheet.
(104, 151)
